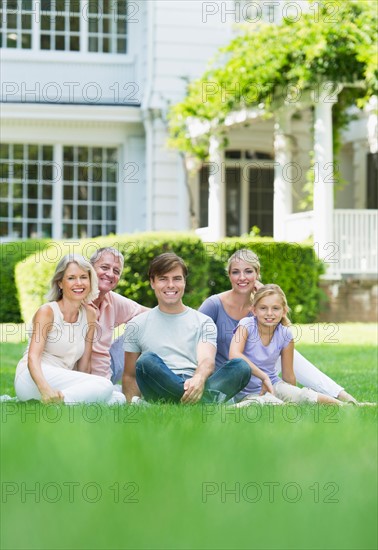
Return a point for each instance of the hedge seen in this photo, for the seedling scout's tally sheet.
(294, 267)
(32, 276)
(10, 254)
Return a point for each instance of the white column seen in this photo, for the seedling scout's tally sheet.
(36, 23)
(282, 201)
(372, 124)
(324, 175)
(192, 168)
(84, 10)
(57, 192)
(217, 191)
(149, 132)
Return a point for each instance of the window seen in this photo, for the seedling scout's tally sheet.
(60, 25)
(261, 189)
(66, 25)
(89, 191)
(16, 24)
(31, 180)
(249, 178)
(107, 32)
(26, 190)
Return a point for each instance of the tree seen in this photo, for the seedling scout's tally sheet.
(265, 66)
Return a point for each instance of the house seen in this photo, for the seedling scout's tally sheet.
(85, 89)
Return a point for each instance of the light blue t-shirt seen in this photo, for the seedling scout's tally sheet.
(264, 357)
(174, 337)
(226, 326)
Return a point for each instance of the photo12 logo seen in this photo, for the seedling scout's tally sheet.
(269, 491)
(52, 492)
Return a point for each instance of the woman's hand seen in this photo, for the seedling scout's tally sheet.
(49, 395)
(257, 286)
(267, 386)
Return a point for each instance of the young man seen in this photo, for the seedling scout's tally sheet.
(170, 350)
(112, 310)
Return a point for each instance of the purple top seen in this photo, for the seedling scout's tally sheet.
(264, 357)
(226, 326)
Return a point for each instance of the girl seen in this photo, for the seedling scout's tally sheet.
(260, 340)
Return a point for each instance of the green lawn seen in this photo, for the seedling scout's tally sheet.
(167, 477)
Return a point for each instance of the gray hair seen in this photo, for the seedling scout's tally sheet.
(96, 256)
(54, 293)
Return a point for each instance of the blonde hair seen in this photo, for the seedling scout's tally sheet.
(247, 256)
(269, 290)
(55, 294)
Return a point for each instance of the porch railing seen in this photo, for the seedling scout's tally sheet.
(356, 235)
(355, 240)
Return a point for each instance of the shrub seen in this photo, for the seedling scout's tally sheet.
(294, 267)
(33, 275)
(11, 253)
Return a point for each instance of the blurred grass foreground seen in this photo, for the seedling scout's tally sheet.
(172, 477)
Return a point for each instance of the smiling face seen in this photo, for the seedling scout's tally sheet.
(108, 268)
(169, 289)
(76, 283)
(242, 276)
(269, 310)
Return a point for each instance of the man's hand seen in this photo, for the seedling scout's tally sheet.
(194, 388)
(267, 386)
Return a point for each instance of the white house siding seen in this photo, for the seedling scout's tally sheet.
(141, 47)
(182, 43)
(132, 183)
(56, 77)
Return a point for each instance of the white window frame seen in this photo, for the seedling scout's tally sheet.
(57, 202)
(84, 34)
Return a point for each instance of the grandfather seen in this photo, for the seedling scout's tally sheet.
(112, 310)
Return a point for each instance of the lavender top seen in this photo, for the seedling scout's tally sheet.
(264, 357)
(226, 326)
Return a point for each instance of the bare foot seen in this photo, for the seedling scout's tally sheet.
(345, 396)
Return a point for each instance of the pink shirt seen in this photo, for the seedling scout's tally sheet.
(114, 311)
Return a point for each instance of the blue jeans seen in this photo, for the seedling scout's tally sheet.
(117, 359)
(157, 382)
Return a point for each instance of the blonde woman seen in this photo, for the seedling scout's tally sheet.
(56, 363)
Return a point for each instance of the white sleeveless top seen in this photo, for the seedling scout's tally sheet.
(65, 342)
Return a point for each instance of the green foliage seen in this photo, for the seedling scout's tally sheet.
(32, 276)
(293, 267)
(11, 253)
(206, 263)
(266, 66)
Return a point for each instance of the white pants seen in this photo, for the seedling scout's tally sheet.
(283, 393)
(77, 387)
(308, 375)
